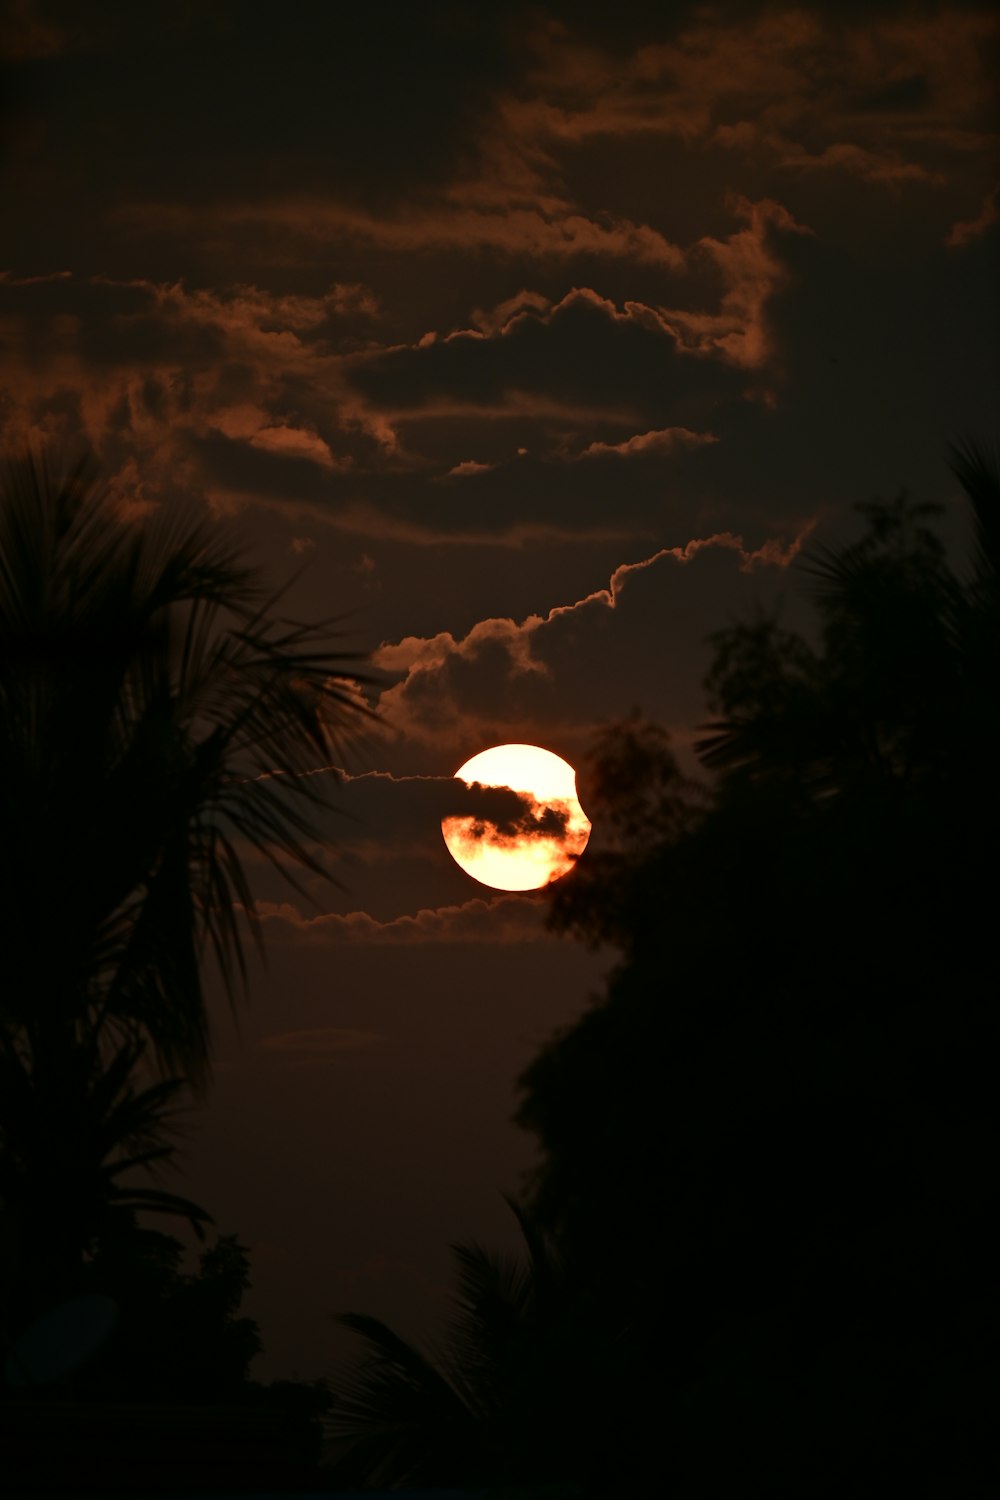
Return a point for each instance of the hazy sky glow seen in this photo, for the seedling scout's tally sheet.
(541, 339)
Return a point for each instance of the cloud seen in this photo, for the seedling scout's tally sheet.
(751, 274)
(376, 524)
(865, 92)
(556, 368)
(416, 653)
(965, 231)
(576, 359)
(540, 820)
(663, 440)
(877, 97)
(146, 371)
(244, 398)
(293, 442)
(8, 279)
(504, 920)
(467, 468)
(526, 232)
(511, 814)
(873, 166)
(495, 319)
(384, 817)
(304, 403)
(562, 672)
(419, 653)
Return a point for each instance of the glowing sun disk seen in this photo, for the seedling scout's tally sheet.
(532, 853)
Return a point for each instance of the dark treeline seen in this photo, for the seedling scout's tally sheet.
(763, 1247)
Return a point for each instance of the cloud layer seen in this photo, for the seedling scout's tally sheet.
(504, 919)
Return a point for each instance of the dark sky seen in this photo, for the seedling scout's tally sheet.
(544, 336)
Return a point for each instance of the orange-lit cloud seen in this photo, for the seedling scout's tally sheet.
(503, 675)
(751, 272)
(663, 440)
(502, 229)
(567, 308)
(416, 653)
(867, 91)
(505, 919)
(966, 230)
(884, 166)
(800, 91)
(467, 468)
(215, 391)
(293, 442)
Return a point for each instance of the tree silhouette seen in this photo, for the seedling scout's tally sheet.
(69, 1138)
(166, 1401)
(497, 1403)
(769, 1151)
(158, 718)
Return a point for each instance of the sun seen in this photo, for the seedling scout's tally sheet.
(544, 840)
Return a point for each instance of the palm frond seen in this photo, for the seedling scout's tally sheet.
(477, 1407)
(404, 1419)
(978, 472)
(154, 1200)
(155, 713)
(158, 716)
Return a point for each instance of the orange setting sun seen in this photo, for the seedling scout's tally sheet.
(543, 843)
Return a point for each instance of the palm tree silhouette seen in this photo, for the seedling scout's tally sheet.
(901, 690)
(158, 720)
(493, 1404)
(69, 1138)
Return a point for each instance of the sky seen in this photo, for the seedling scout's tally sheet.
(536, 342)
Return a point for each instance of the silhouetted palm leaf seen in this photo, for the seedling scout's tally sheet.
(405, 1420)
(485, 1405)
(156, 716)
(979, 475)
(70, 1134)
(903, 677)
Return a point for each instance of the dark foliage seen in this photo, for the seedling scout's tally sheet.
(770, 1150)
(495, 1404)
(154, 709)
(178, 1360)
(158, 716)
